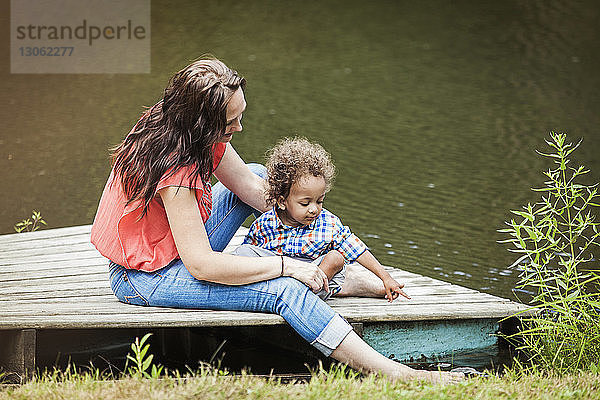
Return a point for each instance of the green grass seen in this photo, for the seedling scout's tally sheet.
(333, 385)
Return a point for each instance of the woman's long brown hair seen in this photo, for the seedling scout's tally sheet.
(178, 131)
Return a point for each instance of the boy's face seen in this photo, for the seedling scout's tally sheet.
(304, 202)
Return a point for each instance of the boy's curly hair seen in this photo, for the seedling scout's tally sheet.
(293, 158)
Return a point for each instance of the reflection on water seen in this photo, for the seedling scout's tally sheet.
(431, 111)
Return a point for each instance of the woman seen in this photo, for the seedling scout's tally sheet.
(163, 227)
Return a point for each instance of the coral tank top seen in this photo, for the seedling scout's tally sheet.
(144, 244)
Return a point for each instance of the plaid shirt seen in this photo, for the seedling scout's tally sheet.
(323, 234)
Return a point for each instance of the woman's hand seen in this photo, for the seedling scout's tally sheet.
(393, 289)
(307, 273)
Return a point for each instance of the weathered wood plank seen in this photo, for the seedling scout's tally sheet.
(425, 305)
(416, 298)
(127, 319)
(102, 297)
(44, 243)
(18, 277)
(48, 265)
(45, 282)
(372, 313)
(106, 305)
(209, 318)
(68, 248)
(76, 255)
(28, 277)
(72, 293)
(44, 234)
(67, 286)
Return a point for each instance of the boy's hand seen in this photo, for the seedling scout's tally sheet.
(393, 289)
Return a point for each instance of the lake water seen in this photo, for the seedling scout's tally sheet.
(431, 110)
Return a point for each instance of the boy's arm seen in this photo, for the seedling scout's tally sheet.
(353, 249)
(393, 289)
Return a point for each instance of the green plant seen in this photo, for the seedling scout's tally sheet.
(555, 237)
(31, 224)
(142, 360)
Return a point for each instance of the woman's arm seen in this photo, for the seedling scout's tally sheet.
(205, 264)
(235, 175)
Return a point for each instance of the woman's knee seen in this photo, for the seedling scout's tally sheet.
(258, 169)
(289, 288)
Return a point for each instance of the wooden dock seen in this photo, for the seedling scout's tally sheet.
(56, 302)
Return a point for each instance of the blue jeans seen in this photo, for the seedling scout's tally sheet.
(174, 286)
(335, 283)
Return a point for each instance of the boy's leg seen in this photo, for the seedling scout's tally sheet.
(354, 281)
(361, 282)
(332, 263)
(250, 250)
(335, 281)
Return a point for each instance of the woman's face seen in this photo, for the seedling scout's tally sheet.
(235, 109)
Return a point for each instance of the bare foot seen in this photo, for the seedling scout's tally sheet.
(405, 373)
(441, 377)
(357, 354)
(361, 282)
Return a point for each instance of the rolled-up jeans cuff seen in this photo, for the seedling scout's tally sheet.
(333, 334)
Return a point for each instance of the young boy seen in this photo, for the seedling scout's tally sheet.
(300, 174)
